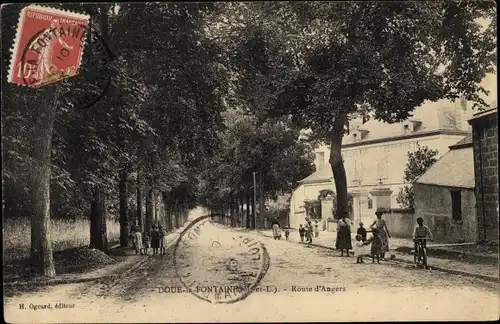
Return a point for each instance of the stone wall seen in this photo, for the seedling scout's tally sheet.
(399, 222)
(485, 145)
(433, 204)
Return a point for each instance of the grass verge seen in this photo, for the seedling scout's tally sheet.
(65, 234)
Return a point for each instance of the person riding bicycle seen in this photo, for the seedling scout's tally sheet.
(421, 232)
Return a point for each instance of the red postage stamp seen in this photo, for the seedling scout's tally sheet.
(48, 46)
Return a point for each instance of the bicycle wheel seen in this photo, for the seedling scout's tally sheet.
(424, 256)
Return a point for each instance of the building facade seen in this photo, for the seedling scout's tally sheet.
(444, 196)
(375, 155)
(485, 146)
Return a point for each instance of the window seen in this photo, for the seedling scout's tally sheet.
(370, 203)
(456, 205)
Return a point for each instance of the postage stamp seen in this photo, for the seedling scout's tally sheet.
(217, 265)
(48, 46)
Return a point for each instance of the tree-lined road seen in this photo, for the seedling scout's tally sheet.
(347, 291)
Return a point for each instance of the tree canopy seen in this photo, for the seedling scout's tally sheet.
(202, 95)
(317, 63)
(418, 162)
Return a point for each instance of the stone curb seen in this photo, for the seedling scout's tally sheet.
(455, 272)
(456, 255)
(451, 271)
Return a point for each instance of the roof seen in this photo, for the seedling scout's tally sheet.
(454, 169)
(322, 174)
(430, 118)
(483, 114)
(465, 142)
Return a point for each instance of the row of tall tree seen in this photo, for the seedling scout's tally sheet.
(160, 131)
(268, 155)
(138, 149)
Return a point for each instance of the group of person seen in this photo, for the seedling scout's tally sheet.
(275, 225)
(379, 240)
(155, 239)
(308, 231)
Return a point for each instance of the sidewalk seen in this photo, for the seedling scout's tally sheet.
(128, 263)
(484, 271)
(327, 239)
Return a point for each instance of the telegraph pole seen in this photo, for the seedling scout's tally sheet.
(253, 200)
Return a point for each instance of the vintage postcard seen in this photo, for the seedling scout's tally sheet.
(273, 161)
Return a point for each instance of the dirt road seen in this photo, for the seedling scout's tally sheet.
(301, 284)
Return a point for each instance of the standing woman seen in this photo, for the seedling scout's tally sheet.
(380, 224)
(343, 241)
(276, 229)
(155, 240)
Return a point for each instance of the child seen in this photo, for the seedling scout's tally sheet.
(421, 233)
(287, 233)
(155, 240)
(137, 240)
(162, 240)
(131, 237)
(316, 230)
(302, 232)
(309, 232)
(376, 241)
(359, 249)
(362, 232)
(145, 242)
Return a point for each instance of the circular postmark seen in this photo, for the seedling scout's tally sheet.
(218, 265)
(55, 53)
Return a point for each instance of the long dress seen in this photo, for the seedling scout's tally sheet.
(155, 239)
(276, 230)
(376, 244)
(138, 241)
(359, 249)
(343, 241)
(380, 224)
(162, 239)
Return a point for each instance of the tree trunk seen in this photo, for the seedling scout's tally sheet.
(98, 235)
(166, 209)
(139, 203)
(124, 221)
(261, 201)
(42, 261)
(248, 212)
(176, 215)
(170, 212)
(157, 209)
(241, 217)
(231, 211)
(337, 164)
(149, 209)
(171, 222)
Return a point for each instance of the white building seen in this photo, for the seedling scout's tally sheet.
(376, 152)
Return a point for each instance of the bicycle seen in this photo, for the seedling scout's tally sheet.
(420, 255)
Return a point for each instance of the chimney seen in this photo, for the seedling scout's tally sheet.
(320, 160)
